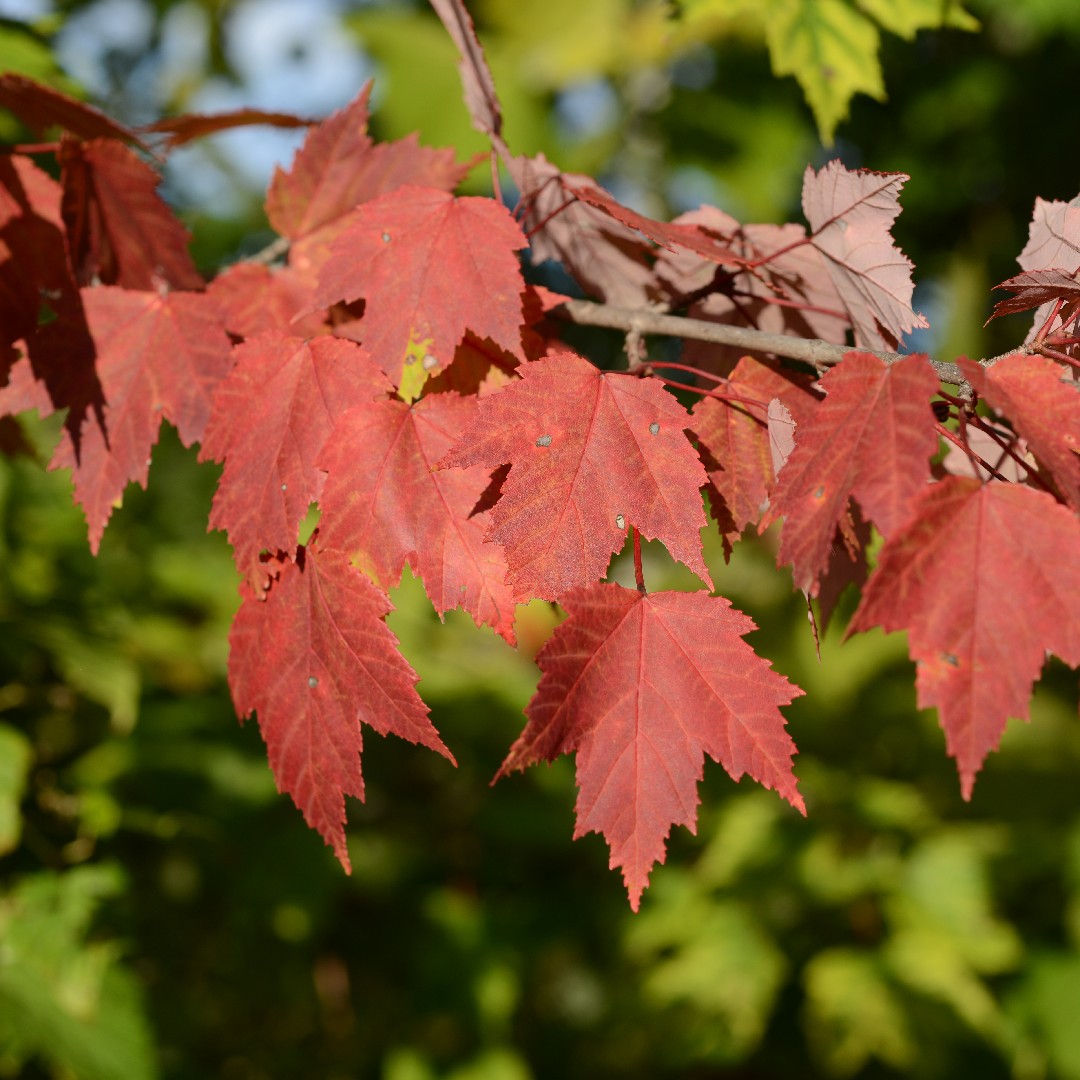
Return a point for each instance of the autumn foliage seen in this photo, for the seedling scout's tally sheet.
(394, 361)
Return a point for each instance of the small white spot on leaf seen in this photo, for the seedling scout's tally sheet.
(654, 428)
(312, 682)
(544, 440)
(620, 521)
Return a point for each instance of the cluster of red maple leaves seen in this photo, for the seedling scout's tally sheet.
(395, 368)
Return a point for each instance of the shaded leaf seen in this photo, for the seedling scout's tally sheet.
(120, 231)
(41, 107)
(270, 419)
(254, 298)
(1034, 288)
(986, 581)
(315, 661)
(851, 214)
(592, 453)
(480, 97)
(179, 130)
(384, 505)
(641, 687)
(871, 438)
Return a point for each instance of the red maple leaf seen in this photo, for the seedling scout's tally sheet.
(1044, 409)
(182, 129)
(270, 419)
(1053, 242)
(120, 231)
(641, 687)
(986, 581)
(384, 505)
(429, 267)
(339, 167)
(851, 215)
(592, 454)
(871, 438)
(733, 437)
(158, 357)
(315, 660)
(480, 97)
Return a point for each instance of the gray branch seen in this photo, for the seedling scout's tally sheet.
(821, 354)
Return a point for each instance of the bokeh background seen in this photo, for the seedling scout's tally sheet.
(165, 913)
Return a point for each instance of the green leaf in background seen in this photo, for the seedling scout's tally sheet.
(15, 756)
(63, 996)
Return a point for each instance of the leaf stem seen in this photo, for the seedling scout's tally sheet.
(639, 574)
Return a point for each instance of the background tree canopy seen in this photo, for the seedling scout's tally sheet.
(164, 912)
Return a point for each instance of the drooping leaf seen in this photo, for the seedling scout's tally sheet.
(986, 581)
(120, 231)
(385, 506)
(429, 267)
(641, 687)
(1033, 289)
(270, 419)
(1030, 392)
(480, 97)
(592, 453)
(871, 439)
(337, 168)
(41, 107)
(315, 660)
(851, 214)
(158, 357)
(733, 438)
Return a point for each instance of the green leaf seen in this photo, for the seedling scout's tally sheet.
(907, 17)
(15, 756)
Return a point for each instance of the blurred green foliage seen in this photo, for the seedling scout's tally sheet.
(165, 913)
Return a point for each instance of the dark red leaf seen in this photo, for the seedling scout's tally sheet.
(120, 231)
(1033, 289)
(384, 505)
(480, 97)
(593, 454)
(179, 130)
(40, 108)
(641, 688)
(986, 581)
(315, 661)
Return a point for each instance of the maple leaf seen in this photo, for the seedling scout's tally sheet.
(641, 687)
(1033, 289)
(606, 257)
(1045, 410)
(733, 438)
(851, 214)
(480, 97)
(871, 438)
(179, 130)
(592, 454)
(429, 267)
(337, 168)
(120, 231)
(158, 357)
(384, 505)
(315, 660)
(986, 581)
(270, 418)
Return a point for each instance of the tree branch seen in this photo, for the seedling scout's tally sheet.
(821, 354)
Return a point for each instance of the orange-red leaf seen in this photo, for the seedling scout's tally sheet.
(871, 438)
(592, 453)
(429, 267)
(384, 505)
(986, 581)
(641, 688)
(315, 660)
(1044, 409)
(270, 419)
